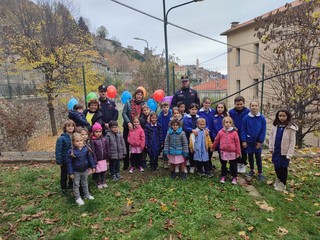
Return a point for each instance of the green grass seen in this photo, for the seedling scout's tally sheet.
(32, 206)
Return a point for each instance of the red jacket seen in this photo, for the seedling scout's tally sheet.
(228, 140)
(136, 137)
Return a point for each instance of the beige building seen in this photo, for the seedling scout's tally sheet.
(245, 60)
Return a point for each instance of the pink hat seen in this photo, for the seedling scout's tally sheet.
(96, 127)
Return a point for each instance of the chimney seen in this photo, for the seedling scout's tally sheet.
(234, 24)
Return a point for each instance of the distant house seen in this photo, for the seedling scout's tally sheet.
(214, 89)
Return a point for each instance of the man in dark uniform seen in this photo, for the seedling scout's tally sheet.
(108, 108)
(185, 94)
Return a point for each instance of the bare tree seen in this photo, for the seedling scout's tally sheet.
(291, 40)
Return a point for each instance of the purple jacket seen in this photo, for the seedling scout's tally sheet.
(100, 149)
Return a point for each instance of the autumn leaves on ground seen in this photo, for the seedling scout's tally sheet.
(153, 206)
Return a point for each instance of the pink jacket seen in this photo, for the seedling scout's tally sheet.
(136, 137)
(229, 141)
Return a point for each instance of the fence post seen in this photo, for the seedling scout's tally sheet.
(262, 89)
(84, 86)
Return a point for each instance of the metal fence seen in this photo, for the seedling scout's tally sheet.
(18, 90)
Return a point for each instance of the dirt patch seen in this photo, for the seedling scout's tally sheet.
(252, 191)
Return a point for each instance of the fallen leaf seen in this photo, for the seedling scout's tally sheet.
(242, 233)
(318, 213)
(288, 199)
(50, 221)
(84, 214)
(317, 174)
(264, 206)
(129, 202)
(316, 204)
(95, 226)
(270, 220)
(250, 228)
(269, 182)
(218, 215)
(292, 195)
(117, 194)
(282, 231)
(164, 207)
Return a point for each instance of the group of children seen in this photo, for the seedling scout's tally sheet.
(187, 141)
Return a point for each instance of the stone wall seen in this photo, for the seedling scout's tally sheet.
(42, 125)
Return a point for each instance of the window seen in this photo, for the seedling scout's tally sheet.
(238, 57)
(238, 86)
(255, 88)
(256, 50)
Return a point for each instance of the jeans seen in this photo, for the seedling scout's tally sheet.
(65, 181)
(80, 178)
(114, 166)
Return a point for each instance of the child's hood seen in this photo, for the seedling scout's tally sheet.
(179, 130)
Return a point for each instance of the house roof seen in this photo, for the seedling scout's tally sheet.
(212, 85)
(252, 21)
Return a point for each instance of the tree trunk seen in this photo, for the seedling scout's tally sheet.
(52, 116)
(299, 138)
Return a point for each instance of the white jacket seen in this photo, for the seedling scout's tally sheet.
(288, 141)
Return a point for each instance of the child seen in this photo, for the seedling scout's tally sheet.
(176, 115)
(163, 120)
(117, 149)
(189, 126)
(100, 151)
(252, 136)
(281, 145)
(182, 108)
(200, 144)
(230, 150)
(62, 147)
(77, 116)
(136, 139)
(79, 162)
(144, 119)
(154, 140)
(93, 114)
(237, 114)
(176, 148)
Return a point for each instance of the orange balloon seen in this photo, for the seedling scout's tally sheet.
(111, 92)
(143, 90)
(158, 95)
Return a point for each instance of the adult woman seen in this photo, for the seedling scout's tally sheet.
(131, 109)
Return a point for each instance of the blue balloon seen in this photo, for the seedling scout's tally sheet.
(71, 103)
(125, 96)
(152, 104)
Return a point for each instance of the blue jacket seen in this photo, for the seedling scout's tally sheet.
(176, 143)
(187, 96)
(81, 161)
(78, 118)
(63, 145)
(189, 123)
(109, 111)
(208, 116)
(217, 124)
(154, 139)
(163, 121)
(237, 117)
(253, 128)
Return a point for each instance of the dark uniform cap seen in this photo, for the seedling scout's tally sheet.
(102, 88)
(184, 78)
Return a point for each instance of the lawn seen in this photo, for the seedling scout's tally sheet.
(150, 205)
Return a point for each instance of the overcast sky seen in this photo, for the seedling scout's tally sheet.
(209, 18)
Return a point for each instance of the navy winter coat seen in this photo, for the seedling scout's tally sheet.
(187, 96)
(78, 118)
(109, 111)
(81, 161)
(154, 139)
(62, 147)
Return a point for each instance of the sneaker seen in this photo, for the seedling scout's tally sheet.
(173, 175)
(209, 174)
(261, 177)
(184, 176)
(241, 168)
(276, 182)
(201, 174)
(79, 201)
(250, 173)
(131, 170)
(234, 181)
(100, 186)
(223, 180)
(141, 169)
(191, 170)
(89, 197)
(104, 185)
(114, 178)
(119, 177)
(281, 187)
(64, 192)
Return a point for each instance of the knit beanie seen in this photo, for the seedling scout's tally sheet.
(96, 127)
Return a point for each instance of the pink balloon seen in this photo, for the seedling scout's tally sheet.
(167, 99)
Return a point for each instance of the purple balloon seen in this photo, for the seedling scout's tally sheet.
(167, 99)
